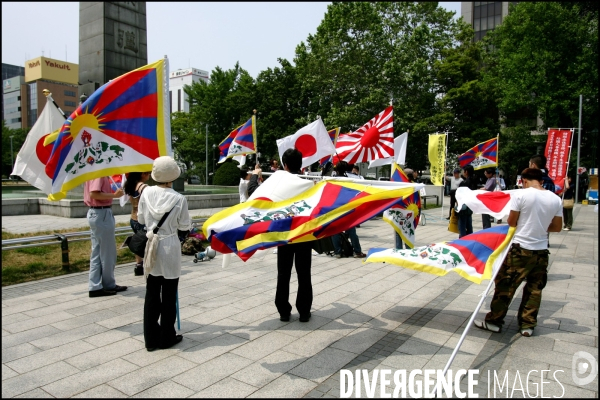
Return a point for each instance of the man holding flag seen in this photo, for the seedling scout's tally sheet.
(534, 211)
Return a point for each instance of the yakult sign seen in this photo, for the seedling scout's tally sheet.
(53, 70)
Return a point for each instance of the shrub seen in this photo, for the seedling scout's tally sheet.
(228, 174)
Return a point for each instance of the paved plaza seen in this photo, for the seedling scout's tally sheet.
(58, 342)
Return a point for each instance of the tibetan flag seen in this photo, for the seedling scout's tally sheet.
(404, 216)
(437, 158)
(333, 135)
(313, 141)
(484, 155)
(241, 141)
(373, 140)
(31, 160)
(122, 127)
(325, 209)
(474, 257)
(496, 204)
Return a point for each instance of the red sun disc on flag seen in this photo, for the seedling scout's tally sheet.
(43, 152)
(307, 145)
(371, 137)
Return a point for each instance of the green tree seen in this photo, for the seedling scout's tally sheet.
(188, 141)
(228, 174)
(542, 57)
(18, 138)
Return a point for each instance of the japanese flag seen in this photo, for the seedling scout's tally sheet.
(312, 141)
(496, 204)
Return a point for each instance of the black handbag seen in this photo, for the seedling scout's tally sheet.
(137, 243)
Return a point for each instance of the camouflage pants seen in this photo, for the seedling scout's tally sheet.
(520, 264)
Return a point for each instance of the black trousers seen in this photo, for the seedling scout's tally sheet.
(301, 253)
(161, 295)
(486, 221)
(452, 201)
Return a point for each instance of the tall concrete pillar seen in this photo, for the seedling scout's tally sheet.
(112, 41)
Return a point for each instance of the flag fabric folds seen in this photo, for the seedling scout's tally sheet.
(484, 155)
(312, 141)
(31, 160)
(327, 208)
(474, 257)
(122, 127)
(373, 140)
(404, 215)
(333, 135)
(399, 156)
(496, 204)
(557, 152)
(437, 158)
(241, 141)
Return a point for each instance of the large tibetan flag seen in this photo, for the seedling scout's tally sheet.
(437, 158)
(313, 141)
(333, 135)
(33, 156)
(484, 155)
(474, 257)
(373, 140)
(240, 142)
(123, 127)
(496, 204)
(325, 209)
(404, 215)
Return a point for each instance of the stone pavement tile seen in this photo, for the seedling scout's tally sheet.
(332, 310)
(144, 358)
(439, 361)
(450, 319)
(50, 356)
(328, 297)
(35, 394)
(268, 369)
(312, 343)
(254, 314)
(571, 348)
(468, 345)
(298, 329)
(259, 328)
(212, 348)
(105, 354)
(31, 297)
(27, 336)
(286, 385)
(107, 337)
(167, 389)
(5, 333)
(398, 360)
(210, 372)
(151, 375)
(584, 330)
(8, 372)
(100, 303)
(323, 365)
(120, 320)
(208, 317)
(359, 340)
(226, 388)
(34, 379)
(101, 391)
(83, 320)
(49, 310)
(19, 351)
(69, 336)
(420, 348)
(374, 308)
(428, 336)
(586, 340)
(21, 307)
(204, 333)
(360, 297)
(263, 346)
(347, 323)
(565, 375)
(32, 323)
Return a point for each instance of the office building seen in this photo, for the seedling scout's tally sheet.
(483, 16)
(9, 71)
(177, 80)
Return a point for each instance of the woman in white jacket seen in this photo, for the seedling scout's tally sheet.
(162, 261)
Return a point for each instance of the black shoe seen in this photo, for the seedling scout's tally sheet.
(304, 318)
(102, 293)
(447, 218)
(118, 288)
(138, 270)
(284, 318)
(151, 348)
(178, 339)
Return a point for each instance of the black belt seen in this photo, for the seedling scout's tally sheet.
(99, 207)
(518, 246)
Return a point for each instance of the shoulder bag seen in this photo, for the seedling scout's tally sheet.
(138, 241)
(568, 203)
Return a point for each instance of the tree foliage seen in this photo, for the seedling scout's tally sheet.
(227, 174)
(18, 138)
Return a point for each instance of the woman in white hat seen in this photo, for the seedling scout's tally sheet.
(162, 261)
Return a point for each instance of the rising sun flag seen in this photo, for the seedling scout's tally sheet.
(123, 127)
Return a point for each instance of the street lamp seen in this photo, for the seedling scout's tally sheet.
(214, 145)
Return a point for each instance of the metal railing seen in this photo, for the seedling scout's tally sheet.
(64, 239)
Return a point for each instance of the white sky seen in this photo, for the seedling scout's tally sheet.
(197, 34)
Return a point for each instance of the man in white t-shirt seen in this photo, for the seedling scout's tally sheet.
(534, 212)
(454, 182)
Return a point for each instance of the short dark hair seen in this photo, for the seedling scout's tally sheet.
(355, 167)
(469, 170)
(244, 172)
(539, 160)
(342, 167)
(532, 174)
(132, 180)
(490, 171)
(292, 159)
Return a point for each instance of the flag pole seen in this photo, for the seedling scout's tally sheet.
(206, 164)
(256, 143)
(444, 180)
(49, 95)
(498, 162)
(568, 164)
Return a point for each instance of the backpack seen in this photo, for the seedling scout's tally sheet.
(347, 250)
(191, 246)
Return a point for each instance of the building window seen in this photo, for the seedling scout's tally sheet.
(171, 100)
(486, 16)
(32, 111)
(70, 103)
(70, 93)
(178, 99)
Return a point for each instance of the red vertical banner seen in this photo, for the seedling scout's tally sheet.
(557, 152)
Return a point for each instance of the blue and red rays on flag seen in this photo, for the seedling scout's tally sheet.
(404, 216)
(241, 141)
(325, 209)
(333, 134)
(474, 257)
(122, 127)
(483, 155)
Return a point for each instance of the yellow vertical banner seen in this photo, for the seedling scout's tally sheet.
(437, 158)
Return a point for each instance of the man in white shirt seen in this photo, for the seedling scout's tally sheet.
(243, 187)
(534, 211)
(454, 182)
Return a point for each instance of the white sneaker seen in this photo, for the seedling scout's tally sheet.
(528, 332)
(486, 326)
(275, 251)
